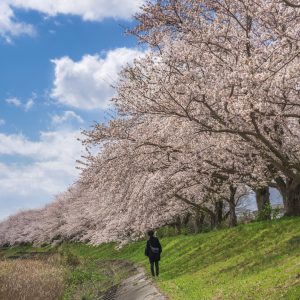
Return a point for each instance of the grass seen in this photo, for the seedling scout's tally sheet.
(93, 278)
(30, 279)
(255, 261)
(58, 273)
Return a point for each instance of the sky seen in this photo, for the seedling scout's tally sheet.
(58, 60)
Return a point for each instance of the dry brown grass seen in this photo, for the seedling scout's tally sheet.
(29, 279)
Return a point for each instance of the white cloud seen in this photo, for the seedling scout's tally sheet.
(14, 101)
(67, 116)
(48, 169)
(2, 122)
(52, 145)
(88, 10)
(86, 84)
(29, 104)
(9, 26)
(91, 10)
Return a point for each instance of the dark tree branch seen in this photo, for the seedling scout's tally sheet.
(289, 3)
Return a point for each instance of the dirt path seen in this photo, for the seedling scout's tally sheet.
(138, 287)
(135, 287)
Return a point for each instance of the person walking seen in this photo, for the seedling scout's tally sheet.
(153, 250)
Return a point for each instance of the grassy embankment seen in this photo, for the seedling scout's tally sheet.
(255, 261)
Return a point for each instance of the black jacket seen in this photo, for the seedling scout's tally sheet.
(155, 244)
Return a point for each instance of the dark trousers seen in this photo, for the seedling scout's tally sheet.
(152, 263)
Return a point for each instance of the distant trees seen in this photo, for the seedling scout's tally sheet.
(210, 112)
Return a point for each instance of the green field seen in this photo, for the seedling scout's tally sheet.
(260, 260)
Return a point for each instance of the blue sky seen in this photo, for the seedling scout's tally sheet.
(58, 59)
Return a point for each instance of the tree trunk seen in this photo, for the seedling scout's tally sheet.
(292, 201)
(290, 191)
(263, 201)
(232, 205)
(213, 222)
(281, 186)
(177, 225)
(232, 216)
(185, 219)
(218, 213)
(199, 222)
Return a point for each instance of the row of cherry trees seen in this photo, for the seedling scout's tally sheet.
(230, 69)
(214, 106)
(212, 111)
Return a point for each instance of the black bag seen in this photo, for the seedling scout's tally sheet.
(154, 250)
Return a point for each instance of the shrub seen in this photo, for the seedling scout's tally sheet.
(265, 213)
(68, 257)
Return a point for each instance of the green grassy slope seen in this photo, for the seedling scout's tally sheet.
(254, 261)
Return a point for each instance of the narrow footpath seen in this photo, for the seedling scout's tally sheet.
(136, 287)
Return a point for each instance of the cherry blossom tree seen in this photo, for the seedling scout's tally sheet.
(189, 170)
(229, 67)
(210, 112)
